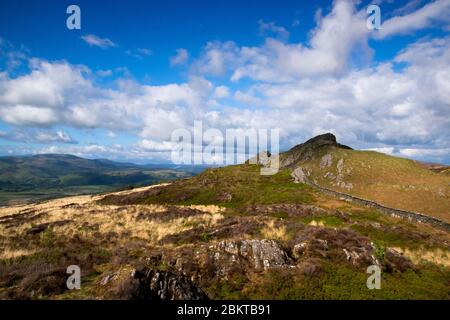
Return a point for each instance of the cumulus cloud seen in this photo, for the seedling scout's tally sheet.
(180, 58)
(335, 38)
(96, 151)
(377, 104)
(386, 150)
(60, 93)
(217, 58)
(41, 137)
(13, 57)
(221, 92)
(28, 115)
(246, 97)
(58, 136)
(422, 152)
(95, 41)
(419, 19)
(158, 146)
(37, 98)
(271, 29)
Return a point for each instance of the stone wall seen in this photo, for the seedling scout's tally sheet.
(412, 216)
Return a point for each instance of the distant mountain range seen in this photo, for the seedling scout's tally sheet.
(24, 178)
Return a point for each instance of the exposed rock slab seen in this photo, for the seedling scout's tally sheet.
(256, 254)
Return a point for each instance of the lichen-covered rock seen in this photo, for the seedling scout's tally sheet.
(340, 166)
(344, 185)
(245, 254)
(262, 158)
(326, 161)
(299, 175)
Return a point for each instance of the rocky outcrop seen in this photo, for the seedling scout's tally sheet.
(338, 178)
(149, 284)
(326, 161)
(262, 158)
(229, 255)
(299, 175)
(307, 150)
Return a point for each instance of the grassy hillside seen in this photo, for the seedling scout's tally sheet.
(391, 181)
(232, 186)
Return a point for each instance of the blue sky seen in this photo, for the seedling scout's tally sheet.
(138, 70)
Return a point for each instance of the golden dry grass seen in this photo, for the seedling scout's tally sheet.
(436, 256)
(87, 219)
(315, 223)
(10, 253)
(271, 231)
(391, 181)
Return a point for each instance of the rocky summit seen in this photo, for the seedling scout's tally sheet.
(306, 151)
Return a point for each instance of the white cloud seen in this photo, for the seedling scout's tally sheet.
(139, 53)
(104, 73)
(180, 58)
(412, 108)
(158, 146)
(95, 151)
(386, 150)
(59, 136)
(28, 115)
(221, 92)
(419, 19)
(46, 86)
(336, 37)
(144, 51)
(271, 29)
(60, 93)
(41, 137)
(421, 152)
(95, 41)
(246, 98)
(217, 58)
